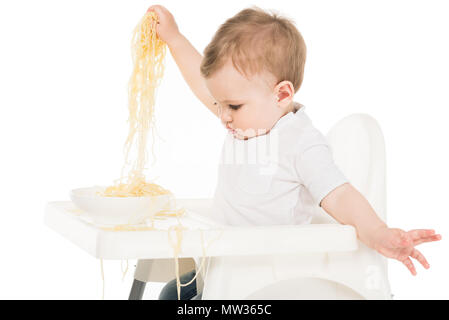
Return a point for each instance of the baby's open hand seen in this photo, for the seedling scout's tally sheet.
(399, 244)
(167, 29)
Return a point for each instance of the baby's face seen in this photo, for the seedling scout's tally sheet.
(247, 108)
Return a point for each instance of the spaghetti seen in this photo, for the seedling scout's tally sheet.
(148, 54)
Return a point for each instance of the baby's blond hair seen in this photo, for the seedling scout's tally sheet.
(258, 41)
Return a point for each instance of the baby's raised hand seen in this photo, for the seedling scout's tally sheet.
(399, 244)
(167, 29)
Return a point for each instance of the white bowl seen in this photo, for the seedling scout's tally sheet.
(118, 210)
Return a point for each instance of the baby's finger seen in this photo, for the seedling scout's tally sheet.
(419, 256)
(158, 9)
(409, 264)
(155, 9)
(436, 237)
(420, 233)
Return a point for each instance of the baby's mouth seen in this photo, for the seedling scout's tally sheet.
(230, 129)
(235, 133)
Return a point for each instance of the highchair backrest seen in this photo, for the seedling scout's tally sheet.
(358, 147)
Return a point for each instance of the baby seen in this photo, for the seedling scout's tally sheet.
(275, 164)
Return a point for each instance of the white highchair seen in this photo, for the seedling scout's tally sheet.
(326, 260)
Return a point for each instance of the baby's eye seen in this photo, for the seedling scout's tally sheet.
(235, 107)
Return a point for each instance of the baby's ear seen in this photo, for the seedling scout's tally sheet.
(282, 96)
(285, 91)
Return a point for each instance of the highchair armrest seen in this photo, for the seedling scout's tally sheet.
(285, 239)
(325, 236)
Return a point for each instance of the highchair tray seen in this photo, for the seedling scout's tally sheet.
(201, 236)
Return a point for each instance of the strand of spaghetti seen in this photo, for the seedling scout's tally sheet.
(121, 268)
(128, 227)
(179, 235)
(176, 249)
(201, 265)
(203, 258)
(102, 277)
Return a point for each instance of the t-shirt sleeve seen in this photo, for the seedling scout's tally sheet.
(317, 170)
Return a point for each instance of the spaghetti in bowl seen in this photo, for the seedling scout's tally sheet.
(107, 210)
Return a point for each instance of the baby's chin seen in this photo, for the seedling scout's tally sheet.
(241, 137)
(248, 134)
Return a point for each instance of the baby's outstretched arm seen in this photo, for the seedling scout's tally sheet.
(348, 206)
(185, 55)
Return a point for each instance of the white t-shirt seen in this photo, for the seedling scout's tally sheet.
(276, 178)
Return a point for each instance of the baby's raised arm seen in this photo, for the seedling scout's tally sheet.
(185, 55)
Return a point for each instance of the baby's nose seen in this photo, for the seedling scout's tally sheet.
(225, 117)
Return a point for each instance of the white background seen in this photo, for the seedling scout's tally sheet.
(64, 67)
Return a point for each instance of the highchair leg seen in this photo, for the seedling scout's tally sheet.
(137, 290)
(157, 270)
